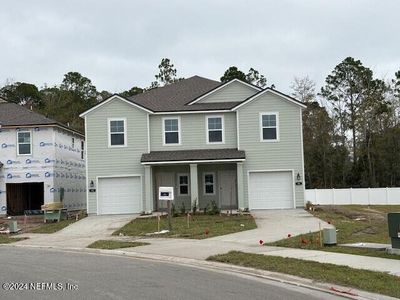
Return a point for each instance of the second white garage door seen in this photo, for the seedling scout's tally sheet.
(119, 195)
(271, 190)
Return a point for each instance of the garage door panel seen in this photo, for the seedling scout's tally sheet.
(119, 195)
(270, 190)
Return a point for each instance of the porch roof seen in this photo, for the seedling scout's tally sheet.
(192, 156)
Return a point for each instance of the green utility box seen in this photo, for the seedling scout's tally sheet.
(330, 236)
(394, 229)
(12, 226)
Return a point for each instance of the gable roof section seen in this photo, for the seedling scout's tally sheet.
(220, 87)
(109, 99)
(272, 91)
(12, 114)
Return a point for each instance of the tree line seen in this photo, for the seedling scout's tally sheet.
(351, 126)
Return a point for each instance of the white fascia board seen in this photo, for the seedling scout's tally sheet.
(191, 112)
(192, 161)
(111, 99)
(269, 91)
(221, 87)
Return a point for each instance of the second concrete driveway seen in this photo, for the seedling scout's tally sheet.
(81, 233)
(274, 225)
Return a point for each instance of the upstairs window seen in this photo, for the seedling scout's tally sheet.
(209, 183)
(24, 143)
(117, 132)
(171, 131)
(215, 129)
(269, 123)
(183, 180)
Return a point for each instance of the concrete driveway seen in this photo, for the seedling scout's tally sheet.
(81, 233)
(274, 225)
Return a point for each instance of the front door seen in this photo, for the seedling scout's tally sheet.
(163, 179)
(227, 189)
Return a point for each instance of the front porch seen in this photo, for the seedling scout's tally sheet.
(199, 178)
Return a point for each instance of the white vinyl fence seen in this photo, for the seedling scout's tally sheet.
(363, 196)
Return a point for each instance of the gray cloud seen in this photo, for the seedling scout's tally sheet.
(119, 44)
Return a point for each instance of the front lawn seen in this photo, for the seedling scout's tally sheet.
(110, 244)
(375, 282)
(200, 226)
(6, 239)
(355, 224)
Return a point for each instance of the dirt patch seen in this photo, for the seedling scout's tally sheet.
(366, 230)
(363, 214)
(26, 225)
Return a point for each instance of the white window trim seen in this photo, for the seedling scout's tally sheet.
(223, 129)
(204, 183)
(30, 135)
(261, 127)
(179, 131)
(109, 132)
(179, 184)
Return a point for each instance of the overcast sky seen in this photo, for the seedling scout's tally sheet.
(119, 44)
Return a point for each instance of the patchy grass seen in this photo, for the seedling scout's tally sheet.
(110, 244)
(201, 226)
(355, 224)
(53, 227)
(6, 239)
(371, 281)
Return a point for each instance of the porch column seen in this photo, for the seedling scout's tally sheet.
(148, 189)
(240, 187)
(194, 187)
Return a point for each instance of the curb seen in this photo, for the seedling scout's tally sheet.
(250, 273)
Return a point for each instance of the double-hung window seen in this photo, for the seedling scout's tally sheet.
(117, 132)
(24, 143)
(171, 131)
(215, 129)
(209, 183)
(183, 180)
(269, 127)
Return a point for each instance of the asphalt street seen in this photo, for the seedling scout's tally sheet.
(48, 274)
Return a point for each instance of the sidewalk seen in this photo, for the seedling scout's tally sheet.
(90, 229)
(201, 249)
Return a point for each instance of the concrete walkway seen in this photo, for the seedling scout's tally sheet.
(79, 234)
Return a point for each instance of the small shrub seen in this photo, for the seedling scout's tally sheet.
(183, 209)
(174, 211)
(212, 208)
(194, 207)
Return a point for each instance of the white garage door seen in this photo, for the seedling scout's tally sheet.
(270, 190)
(119, 195)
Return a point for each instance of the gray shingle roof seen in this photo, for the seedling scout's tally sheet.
(12, 114)
(193, 155)
(173, 97)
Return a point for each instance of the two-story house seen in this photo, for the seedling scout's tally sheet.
(41, 161)
(233, 143)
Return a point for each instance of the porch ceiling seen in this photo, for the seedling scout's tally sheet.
(228, 154)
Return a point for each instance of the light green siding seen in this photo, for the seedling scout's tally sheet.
(283, 155)
(105, 161)
(193, 132)
(235, 91)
